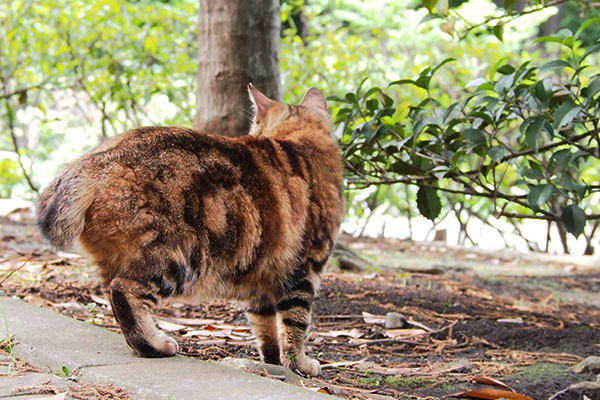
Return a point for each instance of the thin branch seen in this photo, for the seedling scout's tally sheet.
(13, 137)
(510, 16)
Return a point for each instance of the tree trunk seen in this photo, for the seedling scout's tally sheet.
(552, 26)
(238, 44)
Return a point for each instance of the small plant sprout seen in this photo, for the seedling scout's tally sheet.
(95, 317)
(66, 373)
(8, 345)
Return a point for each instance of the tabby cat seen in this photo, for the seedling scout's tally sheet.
(174, 213)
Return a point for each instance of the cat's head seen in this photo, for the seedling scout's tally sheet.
(270, 114)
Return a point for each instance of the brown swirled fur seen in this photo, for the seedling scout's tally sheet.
(172, 212)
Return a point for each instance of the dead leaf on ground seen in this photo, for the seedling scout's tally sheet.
(404, 333)
(325, 390)
(99, 300)
(195, 321)
(490, 381)
(331, 365)
(353, 333)
(373, 319)
(490, 394)
(169, 326)
(420, 325)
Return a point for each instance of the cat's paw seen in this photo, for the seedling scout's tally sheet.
(306, 366)
(159, 345)
(166, 345)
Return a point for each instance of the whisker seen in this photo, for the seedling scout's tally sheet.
(247, 114)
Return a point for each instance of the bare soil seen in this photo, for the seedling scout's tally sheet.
(524, 330)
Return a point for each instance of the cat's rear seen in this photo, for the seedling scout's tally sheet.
(172, 212)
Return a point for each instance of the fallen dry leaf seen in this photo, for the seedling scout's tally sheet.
(325, 390)
(195, 321)
(169, 326)
(490, 381)
(419, 325)
(100, 300)
(330, 365)
(491, 394)
(353, 333)
(373, 319)
(404, 333)
(517, 320)
(206, 333)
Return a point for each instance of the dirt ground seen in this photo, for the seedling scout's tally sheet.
(469, 318)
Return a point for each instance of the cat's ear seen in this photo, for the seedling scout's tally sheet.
(313, 98)
(261, 102)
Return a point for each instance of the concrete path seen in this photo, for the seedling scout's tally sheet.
(51, 341)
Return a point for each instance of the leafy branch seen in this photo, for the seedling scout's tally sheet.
(521, 139)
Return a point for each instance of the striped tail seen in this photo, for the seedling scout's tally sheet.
(62, 208)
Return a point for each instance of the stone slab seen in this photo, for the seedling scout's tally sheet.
(184, 378)
(49, 341)
(9, 384)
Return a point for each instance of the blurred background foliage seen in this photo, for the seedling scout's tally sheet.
(74, 72)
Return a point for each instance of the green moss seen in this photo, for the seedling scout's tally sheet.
(542, 372)
(410, 383)
(368, 381)
(404, 383)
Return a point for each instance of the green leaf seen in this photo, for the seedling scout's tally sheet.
(371, 91)
(402, 82)
(495, 67)
(593, 88)
(506, 69)
(387, 100)
(539, 195)
(428, 18)
(441, 64)
(423, 81)
(430, 5)
(553, 65)
(589, 51)
(543, 91)
(565, 114)
(428, 202)
(586, 24)
(476, 82)
(553, 39)
(336, 98)
(564, 33)
(574, 219)
(499, 32)
(569, 42)
(351, 97)
(372, 104)
(496, 153)
(509, 4)
(532, 133)
(533, 173)
(560, 160)
(475, 137)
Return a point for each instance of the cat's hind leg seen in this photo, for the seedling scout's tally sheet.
(132, 303)
(264, 324)
(294, 314)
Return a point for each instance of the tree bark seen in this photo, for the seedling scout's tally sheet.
(238, 44)
(552, 26)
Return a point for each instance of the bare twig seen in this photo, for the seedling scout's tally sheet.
(15, 270)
